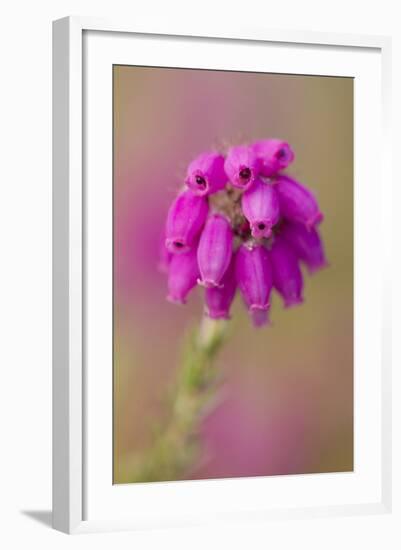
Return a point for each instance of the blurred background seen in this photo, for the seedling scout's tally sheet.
(287, 402)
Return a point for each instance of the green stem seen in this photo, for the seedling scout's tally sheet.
(176, 443)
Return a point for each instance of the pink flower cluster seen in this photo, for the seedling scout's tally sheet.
(241, 222)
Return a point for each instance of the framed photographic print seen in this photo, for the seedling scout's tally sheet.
(220, 326)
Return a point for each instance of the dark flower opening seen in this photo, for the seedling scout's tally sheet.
(261, 226)
(201, 182)
(178, 244)
(245, 174)
(281, 154)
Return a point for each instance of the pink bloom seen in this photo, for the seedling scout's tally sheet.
(261, 208)
(185, 220)
(297, 203)
(206, 175)
(242, 166)
(307, 245)
(275, 155)
(215, 250)
(254, 278)
(287, 276)
(200, 242)
(183, 274)
(219, 298)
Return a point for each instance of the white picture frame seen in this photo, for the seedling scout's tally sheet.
(80, 45)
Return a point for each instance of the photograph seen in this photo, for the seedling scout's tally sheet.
(200, 281)
(233, 271)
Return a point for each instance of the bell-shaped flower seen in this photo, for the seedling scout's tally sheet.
(215, 250)
(307, 244)
(185, 219)
(206, 175)
(260, 206)
(275, 155)
(287, 276)
(254, 279)
(297, 203)
(218, 299)
(183, 273)
(242, 166)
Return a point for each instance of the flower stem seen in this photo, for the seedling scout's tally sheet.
(176, 442)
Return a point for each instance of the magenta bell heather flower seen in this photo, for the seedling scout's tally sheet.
(307, 245)
(185, 219)
(215, 250)
(287, 276)
(254, 278)
(206, 175)
(183, 273)
(242, 166)
(297, 203)
(234, 228)
(275, 155)
(219, 298)
(261, 208)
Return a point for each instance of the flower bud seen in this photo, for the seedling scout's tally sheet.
(185, 219)
(261, 208)
(219, 298)
(297, 203)
(307, 245)
(254, 278)
(287, 276)
(215, 250)
(275, 155)
(206, 175)
(242, 166)
(183, 274)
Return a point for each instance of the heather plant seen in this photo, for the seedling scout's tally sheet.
(240, 223)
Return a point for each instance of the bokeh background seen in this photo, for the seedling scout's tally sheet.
(287, 405)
